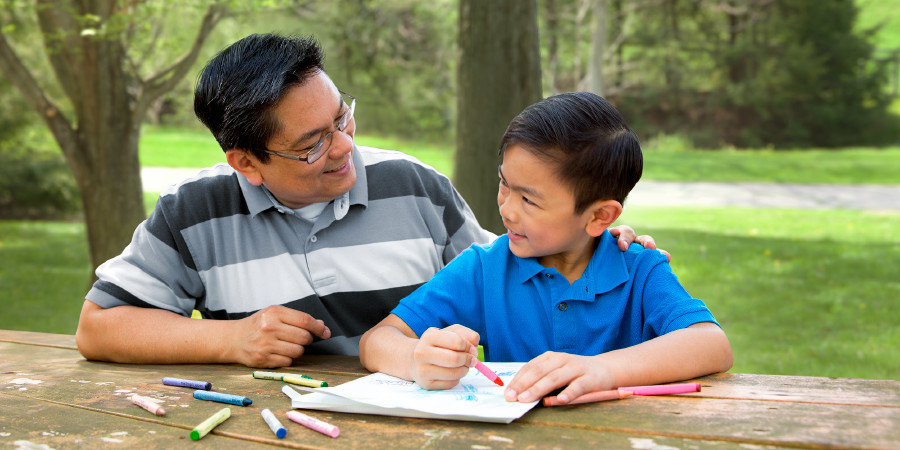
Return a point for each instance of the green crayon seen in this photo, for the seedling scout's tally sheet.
(207, 425)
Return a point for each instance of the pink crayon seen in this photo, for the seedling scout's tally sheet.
(148, 404)
(313, 423)
(488, 373)
(663, 389)
(590, 397)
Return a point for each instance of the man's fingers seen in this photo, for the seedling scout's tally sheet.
(646, 241)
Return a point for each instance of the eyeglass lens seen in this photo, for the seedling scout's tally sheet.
(322, 147)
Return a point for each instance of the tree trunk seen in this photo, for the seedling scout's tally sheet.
(104, 153)
(598, 46)
(499, 75)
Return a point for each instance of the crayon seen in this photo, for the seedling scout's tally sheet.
(663, 389)
(262, 375)
(273, 423)
(223, 398)
(598, 396)
(277, 376)
(488, 373)
(169, 381)
(313, 423)
(303, 381)
(148, 404)
(207, 425)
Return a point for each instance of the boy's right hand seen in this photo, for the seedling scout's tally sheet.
(443, 356)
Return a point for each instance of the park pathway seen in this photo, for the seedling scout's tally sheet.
(668, 193)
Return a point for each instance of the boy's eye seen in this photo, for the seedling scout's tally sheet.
(526, 200)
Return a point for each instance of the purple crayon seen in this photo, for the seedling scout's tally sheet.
(205, 385)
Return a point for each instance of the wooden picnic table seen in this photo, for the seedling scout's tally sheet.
(51, 396)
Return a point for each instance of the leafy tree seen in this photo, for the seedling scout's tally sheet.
(754, 73)
(99, 53)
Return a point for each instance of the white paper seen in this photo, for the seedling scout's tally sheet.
(475, 397)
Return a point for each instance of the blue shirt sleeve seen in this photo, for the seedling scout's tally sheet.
(455, 295)
(666, 305)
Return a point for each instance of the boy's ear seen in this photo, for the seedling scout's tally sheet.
(246, 164)
(602, 215)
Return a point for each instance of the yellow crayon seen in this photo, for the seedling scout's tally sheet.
(207, 425)
(303, 381)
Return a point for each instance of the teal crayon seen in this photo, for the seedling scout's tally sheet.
(223, 398)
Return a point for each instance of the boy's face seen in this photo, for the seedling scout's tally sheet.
(538, 210)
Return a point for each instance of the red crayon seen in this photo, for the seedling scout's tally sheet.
(488, 373)
(663, 389)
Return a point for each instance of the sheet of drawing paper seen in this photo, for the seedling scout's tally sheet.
(475, 397)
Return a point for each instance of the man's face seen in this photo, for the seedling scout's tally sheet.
(307, 113)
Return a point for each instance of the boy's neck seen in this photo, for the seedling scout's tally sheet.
(571, 264)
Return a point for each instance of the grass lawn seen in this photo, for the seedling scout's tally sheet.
(195, 148)
(799, 292)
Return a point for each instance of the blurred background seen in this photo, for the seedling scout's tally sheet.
(728, 91)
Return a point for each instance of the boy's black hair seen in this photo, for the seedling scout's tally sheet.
(587, 139)
(240, 86)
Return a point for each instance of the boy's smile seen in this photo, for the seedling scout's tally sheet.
(538, 210)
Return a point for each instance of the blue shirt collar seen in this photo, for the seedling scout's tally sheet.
(604, 271)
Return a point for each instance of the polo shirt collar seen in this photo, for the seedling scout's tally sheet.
(605, 270)
(259, 198)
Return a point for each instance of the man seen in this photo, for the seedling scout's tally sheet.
(300, 244)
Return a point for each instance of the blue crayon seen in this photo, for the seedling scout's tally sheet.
(224, 398)
(273, 423)
(205, 385)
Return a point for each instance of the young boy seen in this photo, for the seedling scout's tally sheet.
(554, 290)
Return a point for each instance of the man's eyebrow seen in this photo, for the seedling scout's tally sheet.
(315, 132)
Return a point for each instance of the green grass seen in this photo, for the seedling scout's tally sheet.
(799, 292)
(44, 274)
(665, 160)
(169, 147)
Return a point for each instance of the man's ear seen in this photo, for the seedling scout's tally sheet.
(601, 215)
(246, 164)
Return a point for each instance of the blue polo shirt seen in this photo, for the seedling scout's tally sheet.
(522, 309)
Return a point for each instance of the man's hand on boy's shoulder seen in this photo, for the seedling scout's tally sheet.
(626, 235)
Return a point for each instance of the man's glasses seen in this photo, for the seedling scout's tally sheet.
(312, 154)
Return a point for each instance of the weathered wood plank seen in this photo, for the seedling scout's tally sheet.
(750, 422)
(846, 391)
(43, 377)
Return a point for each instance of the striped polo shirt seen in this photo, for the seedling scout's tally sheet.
(227, 248)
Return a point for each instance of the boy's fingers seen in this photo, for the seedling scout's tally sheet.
(469, 335)
(527, 376)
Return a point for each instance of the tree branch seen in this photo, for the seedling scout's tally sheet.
(166, 79)
(12, 66)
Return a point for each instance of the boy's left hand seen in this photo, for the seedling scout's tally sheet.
(553, 370)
